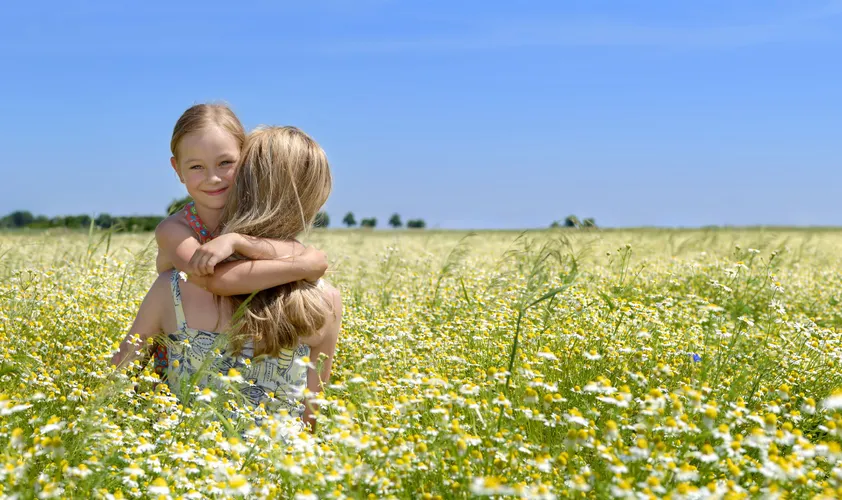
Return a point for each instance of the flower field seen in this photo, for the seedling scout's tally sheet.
(555, 364)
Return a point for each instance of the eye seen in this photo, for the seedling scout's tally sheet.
(195, 167)
(226, 163)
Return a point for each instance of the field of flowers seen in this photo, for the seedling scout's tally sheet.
(627, 364)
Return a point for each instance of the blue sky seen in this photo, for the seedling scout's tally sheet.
(470, 114)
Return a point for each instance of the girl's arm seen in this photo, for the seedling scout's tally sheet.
(326, 344)
(246, 276)
(206, 257)
(147, 323)
(177, 243)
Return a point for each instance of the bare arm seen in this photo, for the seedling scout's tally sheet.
(247, 276)
(324, 345)
(178, 243)
(147, 324)
(264, 248)
(214, 252)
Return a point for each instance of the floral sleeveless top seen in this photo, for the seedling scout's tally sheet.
(191, 215)
(276, 381)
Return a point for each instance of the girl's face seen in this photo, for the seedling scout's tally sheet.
(207, 162)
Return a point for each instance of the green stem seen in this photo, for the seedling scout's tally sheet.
(511, 364)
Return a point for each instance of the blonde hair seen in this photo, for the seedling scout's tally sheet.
(200, 117)
(283, 181)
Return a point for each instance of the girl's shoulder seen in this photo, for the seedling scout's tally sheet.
(173, 227)
(184, 222)
(189, 217)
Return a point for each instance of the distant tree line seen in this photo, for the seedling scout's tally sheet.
(24, 218)
(371, 222)
(573, 222)
(142, 223)
(323, 219)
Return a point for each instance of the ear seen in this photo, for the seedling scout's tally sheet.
(175, 167)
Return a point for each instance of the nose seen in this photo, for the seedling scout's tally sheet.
(213, 175)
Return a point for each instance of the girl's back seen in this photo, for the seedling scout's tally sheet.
(203, 311)
(194, 324)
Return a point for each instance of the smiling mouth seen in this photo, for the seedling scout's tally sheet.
(217, 192)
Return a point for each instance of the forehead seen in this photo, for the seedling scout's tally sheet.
(209, 142)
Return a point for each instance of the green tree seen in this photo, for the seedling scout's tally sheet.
(349, 220)
(555, 224)
(40, 222)
(395, 221)
(77, 221)
(589, 222)
(150, 222)
(6, 221)
(21, 218)
(571, 221)
(416, 224)
(370, 222)
(104, 221)
(177, 205)
(322, 220)
(130, 224)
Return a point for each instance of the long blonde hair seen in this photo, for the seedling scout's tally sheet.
(200, 117)
(283, 181)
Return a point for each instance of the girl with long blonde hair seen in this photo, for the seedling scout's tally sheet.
(282, 183)
(206, 147)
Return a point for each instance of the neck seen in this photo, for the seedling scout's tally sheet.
(210, 216)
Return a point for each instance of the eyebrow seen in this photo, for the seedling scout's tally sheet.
(197, 160)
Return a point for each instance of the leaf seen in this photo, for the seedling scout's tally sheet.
(550, 294)
(608, 299)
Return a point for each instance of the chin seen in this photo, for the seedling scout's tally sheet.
(213, 203)
(216, 204)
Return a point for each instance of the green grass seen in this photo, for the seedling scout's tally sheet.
(546, 364)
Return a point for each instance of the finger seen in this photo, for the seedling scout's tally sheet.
(197, 263)
(193, 265)
(210, 263)
(197, 268)
(200, 265)
(206, 266)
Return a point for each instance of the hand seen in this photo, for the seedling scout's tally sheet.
(314, 263)
(207, 256)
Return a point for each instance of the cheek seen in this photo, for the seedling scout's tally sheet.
(230, 174)
(194, 177)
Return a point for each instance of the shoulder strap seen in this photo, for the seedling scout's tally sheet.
(180, 320)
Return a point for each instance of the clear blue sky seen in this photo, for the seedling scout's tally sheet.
(470, 114)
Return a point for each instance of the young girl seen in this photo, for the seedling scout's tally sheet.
(205, 145)
(284, 180)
